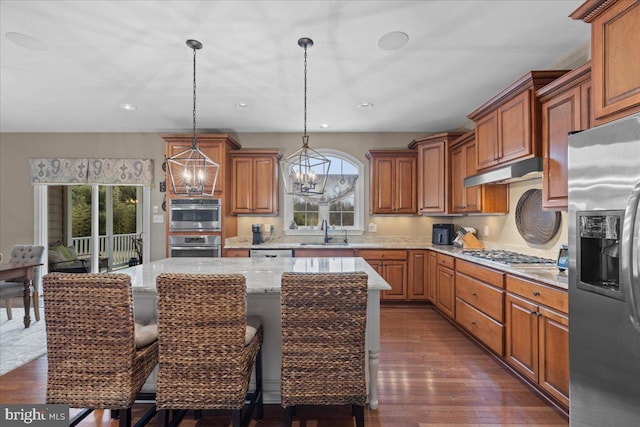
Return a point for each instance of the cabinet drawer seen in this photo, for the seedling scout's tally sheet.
(483, 297)
(487, 330)
(483, 274)
(446, 260)
(382, 255)
(554, 298)
(237, 253)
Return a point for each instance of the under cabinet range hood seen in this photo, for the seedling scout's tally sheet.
(519, 171)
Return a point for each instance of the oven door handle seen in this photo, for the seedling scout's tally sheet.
(194, 208)
(193, 247)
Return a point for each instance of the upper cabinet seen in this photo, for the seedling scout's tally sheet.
(254, 182)
(508, 126)
(566, 107)
(214, 146)
(615, 53)
(393, 181)
(434, 173)
(487, 198)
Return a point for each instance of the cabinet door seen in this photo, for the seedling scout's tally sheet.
(554, 354)
(458, 167)
(418, 274)
(446, 298)
(472, 194)
(515, 128)
(560, 115)
(522, 336)
(432, 192)
(242, 185)
(405, 186)
(433, 277)
(383, 183)
(487, 141)
(237, 253)
(395, 273)
(265, 191)
(616, 76)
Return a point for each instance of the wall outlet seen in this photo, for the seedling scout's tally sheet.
(486, 231)
(272, 228)
(373, 227)
(158, 219)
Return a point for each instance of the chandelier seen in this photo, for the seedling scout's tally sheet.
(305, 171)
(191, 171)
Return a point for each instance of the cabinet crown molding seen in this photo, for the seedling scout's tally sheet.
(436, 137)
(214, 137)
(572, 79)
(591, 9)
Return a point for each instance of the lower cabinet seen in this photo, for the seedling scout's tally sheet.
(392, 266)
(445, 285)
(537, 336)
(432, 277)
(236, 253)
(418, 275)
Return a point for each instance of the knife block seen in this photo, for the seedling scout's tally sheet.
(471, 242)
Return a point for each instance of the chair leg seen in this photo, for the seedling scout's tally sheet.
(359, 413)
(260, 409)
(163, 418)
(9, 314)
(115, 414)
(197, 414)
(287, 419)
(125, 417)
(36, 304)
(236, 418)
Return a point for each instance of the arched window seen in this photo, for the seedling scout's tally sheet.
(341, 205)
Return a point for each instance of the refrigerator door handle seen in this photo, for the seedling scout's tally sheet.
(630, 254)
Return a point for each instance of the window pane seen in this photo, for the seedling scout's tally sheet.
(347, 219)
(335, 218)
(312, 218)
(348, 203)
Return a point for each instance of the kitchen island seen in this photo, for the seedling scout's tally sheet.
(263, 277)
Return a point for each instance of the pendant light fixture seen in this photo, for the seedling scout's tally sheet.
(191, 172)
(305, 171)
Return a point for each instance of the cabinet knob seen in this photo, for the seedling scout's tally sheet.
(474, 294)
(533, 313)
(474, 323)
(536, 293)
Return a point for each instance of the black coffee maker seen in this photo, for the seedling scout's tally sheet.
(257, 233)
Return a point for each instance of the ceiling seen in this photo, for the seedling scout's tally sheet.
(89, 57)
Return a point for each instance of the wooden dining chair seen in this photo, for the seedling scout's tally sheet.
(23, 254)
(98, 358)
(323, 341)
(207, 347)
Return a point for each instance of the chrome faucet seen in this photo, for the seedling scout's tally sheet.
(345, 236)
(324, 226)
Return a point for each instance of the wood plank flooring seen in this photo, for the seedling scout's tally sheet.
(430, 375)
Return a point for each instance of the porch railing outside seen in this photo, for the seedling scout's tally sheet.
(124, 248)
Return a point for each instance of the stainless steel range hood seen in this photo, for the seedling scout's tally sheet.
(520, 171)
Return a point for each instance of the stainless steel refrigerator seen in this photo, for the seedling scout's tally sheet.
(604, 282)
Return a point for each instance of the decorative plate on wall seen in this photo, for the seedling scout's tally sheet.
(534, 224)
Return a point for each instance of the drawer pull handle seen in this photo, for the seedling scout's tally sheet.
(474, 294)
(536, 293)
(533, 313)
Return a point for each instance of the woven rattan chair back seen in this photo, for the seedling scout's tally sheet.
(203, 360)
(323, 338)
(92, 357)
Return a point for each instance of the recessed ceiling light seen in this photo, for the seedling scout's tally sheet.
(25, 41)
(393, 40)
(242, 106)
(128, 107)
(325, 126)
(365, 106)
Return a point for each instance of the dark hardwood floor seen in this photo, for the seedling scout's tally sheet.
(430, 375)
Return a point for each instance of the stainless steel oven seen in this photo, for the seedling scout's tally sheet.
(194, 214)
(194, 246)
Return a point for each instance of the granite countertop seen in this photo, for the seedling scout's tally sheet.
(549, 275)
(262, 274)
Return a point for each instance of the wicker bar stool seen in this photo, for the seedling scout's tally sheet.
(323, 333)
(96, 360)
(207, 347)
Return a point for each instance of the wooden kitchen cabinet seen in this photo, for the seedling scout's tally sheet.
(392, 266)
(566, 107)
(445, 285)
(508, 125)
(615, 49)
(434, 171)
(537, 336)
(418, 275)
(487, 198)
(237, 253)
(393, 181)
(254, 182)
(432, 277)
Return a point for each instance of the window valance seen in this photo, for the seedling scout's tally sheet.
(92, 171)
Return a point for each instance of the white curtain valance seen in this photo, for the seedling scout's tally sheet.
(92, 171)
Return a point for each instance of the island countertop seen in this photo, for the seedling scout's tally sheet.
(262, 274)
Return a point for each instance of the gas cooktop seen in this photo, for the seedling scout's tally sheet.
(510, 258)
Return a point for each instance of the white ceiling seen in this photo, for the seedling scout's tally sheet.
(100, 54)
